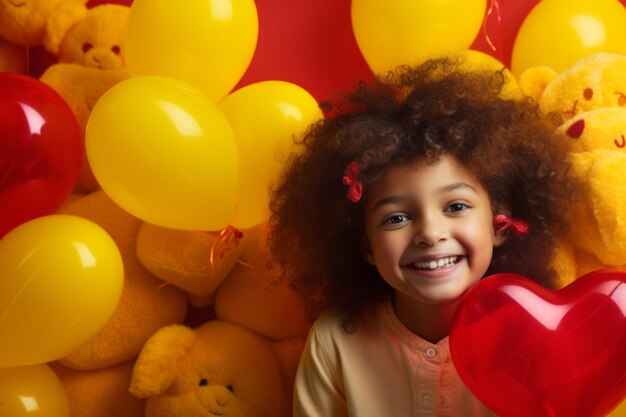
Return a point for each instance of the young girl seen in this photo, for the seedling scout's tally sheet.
(428, 182)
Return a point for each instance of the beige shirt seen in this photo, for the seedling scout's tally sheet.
(382, 369)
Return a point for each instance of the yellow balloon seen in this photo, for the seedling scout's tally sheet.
(164, 152)
(61, 279)
(207, 43)
(557, 33)
(28, 391)
(406, 32)
(265, 117)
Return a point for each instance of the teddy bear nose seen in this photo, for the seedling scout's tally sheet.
(576, 129)
(215, 396)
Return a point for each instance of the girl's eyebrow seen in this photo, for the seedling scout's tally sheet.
(394, 199)
(457, 185)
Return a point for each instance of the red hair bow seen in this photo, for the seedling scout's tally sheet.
(351, 179)
(503, 222)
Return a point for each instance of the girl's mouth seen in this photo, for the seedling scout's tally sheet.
(435, 264)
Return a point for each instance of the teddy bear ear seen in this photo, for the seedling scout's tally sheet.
(534, 81)
(62, 18)
(160, 359)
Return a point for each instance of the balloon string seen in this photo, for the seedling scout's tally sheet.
(247, 265)
(227, 239)
(171, 282)
(494, 5)
(160, 287)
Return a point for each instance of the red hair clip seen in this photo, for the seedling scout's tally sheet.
(503, 222)
(351, 179)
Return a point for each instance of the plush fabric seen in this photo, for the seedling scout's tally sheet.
(183, 258)
(144, 306)
(97, 39)
(81, 87)
(90, 56)
(218, 368)
(100, 392)
(596, 81)
(590, 97)
(28, 23)
(256, 293)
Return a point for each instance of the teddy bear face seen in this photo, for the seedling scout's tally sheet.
(603, 128)
(96, 41)
(597, 158)
(229, 371)
(593, 82)
(23, 22)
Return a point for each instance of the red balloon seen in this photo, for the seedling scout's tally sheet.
(309, 43)
(526, 351)
(41, 150)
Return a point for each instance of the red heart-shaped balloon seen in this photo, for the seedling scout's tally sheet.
(526, 351)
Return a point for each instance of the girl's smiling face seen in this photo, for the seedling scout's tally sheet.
(429, 230)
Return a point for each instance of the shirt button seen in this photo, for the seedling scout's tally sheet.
(431, 353)
(427, 398)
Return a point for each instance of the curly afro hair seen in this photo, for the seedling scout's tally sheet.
(416, 113)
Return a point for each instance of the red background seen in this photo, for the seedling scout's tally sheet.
(310, 43)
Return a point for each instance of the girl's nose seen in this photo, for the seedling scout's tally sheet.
(430, 230)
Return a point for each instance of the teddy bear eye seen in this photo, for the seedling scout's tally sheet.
(115, 49)
(621, 99)
(203, 382)
(588, 93)
(230, 388)
(87, 46)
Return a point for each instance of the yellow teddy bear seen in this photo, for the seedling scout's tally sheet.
(89, 48)
(218, 368)
(100, 392)
(194, 261)
(257, 295)
(27, 23)
(81, 87)
(597, 237)
(93, 40)
(589, 96)
(145, 305)
(596, 81)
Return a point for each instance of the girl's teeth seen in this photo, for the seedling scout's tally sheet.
(435, 264)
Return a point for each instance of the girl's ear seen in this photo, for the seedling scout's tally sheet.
(499, 237)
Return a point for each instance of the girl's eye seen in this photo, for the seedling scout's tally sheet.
(396, 219)
(456, 207)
